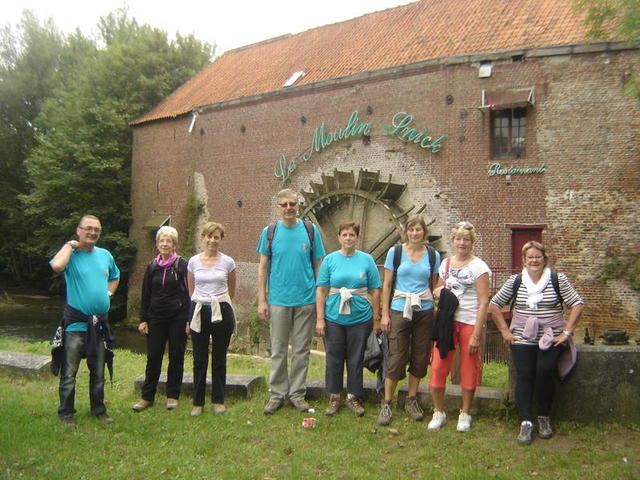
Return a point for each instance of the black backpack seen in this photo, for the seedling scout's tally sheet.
(397, 258)
(518, 281)
(271, 231)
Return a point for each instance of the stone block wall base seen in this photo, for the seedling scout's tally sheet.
(25, 364)
(237, 385)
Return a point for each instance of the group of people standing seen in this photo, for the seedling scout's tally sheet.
(342, 296)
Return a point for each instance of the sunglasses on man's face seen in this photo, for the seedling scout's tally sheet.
(288, 204)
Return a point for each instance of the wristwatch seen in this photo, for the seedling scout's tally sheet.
(567, 333)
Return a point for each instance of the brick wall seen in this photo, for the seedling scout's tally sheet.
(582, 127)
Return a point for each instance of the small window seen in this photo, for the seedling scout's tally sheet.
(508, 133)
(485, 69)
(295, 76)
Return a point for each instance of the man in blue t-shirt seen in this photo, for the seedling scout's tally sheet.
(287, 272)
(92, 277)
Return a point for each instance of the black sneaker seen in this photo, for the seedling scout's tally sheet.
(68, 422)
(105, 418)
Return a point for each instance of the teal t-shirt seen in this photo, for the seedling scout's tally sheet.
(412, 277)
(87, 275)
(355, 271)
(291, 278)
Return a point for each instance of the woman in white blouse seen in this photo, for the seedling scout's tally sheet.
(467, 276)
(212, 283)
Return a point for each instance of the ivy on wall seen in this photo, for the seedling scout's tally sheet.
(623, 266)
(193, 212)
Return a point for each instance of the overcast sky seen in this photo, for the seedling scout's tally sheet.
(228, 24)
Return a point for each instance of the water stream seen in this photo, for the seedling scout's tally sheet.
(34, 318)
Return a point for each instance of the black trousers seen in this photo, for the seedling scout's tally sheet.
(345, 344)
(536, 372)
(220, 332)
(161, 333)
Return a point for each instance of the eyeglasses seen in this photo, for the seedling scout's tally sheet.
(537, 257)
(288, 204)
(91, 229)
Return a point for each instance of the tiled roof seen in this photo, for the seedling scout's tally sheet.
(424, 30)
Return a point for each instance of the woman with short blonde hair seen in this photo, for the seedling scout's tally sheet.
(467, 277)
(164, 307)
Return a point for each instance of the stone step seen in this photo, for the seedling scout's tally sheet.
(487, 400)
(25, 364)
(237, 385)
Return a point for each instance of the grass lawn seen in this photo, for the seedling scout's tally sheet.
(245, 444)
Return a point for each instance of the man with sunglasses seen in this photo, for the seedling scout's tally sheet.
(290, 252)
(92, 277)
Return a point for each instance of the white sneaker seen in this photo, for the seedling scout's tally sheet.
(464, 422)
(437, 421)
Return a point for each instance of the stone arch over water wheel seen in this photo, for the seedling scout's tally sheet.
(380, 206)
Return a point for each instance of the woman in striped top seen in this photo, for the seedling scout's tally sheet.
(541, 341)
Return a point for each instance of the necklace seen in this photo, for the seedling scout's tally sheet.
(458, 263)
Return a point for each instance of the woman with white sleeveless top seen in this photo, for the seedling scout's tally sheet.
(212, 284)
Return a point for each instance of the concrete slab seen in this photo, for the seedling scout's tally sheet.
(25, 364)
(487, 400)
(237, 385)
(604, 385)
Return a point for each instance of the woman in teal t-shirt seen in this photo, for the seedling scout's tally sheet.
(345, 316)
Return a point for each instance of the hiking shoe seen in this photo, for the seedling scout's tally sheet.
(334, 405)
(196, 411)
(104, 418)
(413, 409)
(544, 428)
(219, 408)
(464, 422)
(172, 403)
(385, 415)
(524, 437)
(355, 406)
(272, 405)
(141, 405)
(437, 421)
(300, 404)
(68, 422)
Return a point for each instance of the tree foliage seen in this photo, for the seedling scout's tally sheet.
(607, 19)
(35, 59)
(79, 158)
(614, 20)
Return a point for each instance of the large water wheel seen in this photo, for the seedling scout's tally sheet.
(380, 206)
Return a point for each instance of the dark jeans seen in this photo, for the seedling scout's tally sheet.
(173, 332)
(345, 344)
(73, 353)
(536, 371)
(221, 334)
